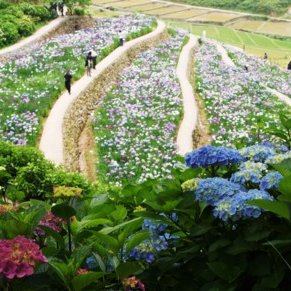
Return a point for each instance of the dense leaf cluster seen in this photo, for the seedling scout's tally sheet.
(17, 21)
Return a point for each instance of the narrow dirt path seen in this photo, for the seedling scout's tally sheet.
(52, 140)
(227, 60)
(190, 108)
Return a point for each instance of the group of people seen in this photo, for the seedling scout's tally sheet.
(90, 62)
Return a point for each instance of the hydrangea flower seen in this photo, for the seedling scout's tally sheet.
(212, 190)
(278, 158)
(51, 221)
(19, 256)
(148, 248)
(235, 207)
(212, 155)
(257, 153)
(246, 176)
(190, 185)
(271, 180)
(133, 283)
(250, 165)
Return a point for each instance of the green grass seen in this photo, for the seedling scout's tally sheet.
(279, 51)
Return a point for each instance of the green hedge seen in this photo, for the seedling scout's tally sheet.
(17, 21)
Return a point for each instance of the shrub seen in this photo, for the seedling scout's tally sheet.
(11, 34)
(25, 26)
(79, 11)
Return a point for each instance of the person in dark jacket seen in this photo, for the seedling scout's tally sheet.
(68, 78)
(289, 66)
(88, 63)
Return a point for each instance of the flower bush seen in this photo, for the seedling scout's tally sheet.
(18, 257)
(31, 83)
(262, 71)
(142, 104)
(237, 104)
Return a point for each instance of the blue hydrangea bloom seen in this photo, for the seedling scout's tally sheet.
(257, 153)
(91, 263)
(148, 249)
(211, 190)
(235, 207)
(154, 227)
(246, 176)
(271, 180)
(211, 155)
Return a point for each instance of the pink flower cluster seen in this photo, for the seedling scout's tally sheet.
(51, 221)
(19, 256)
(132, 283)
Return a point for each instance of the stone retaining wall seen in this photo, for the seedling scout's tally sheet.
(83, 108)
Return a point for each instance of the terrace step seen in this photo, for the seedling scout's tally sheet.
(51, 142)
(227, 60)
(190, 108)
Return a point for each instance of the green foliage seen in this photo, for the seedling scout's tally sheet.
(17, 21)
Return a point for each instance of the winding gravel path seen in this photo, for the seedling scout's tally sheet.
(227, 60)
(51, 143)
(190, 108)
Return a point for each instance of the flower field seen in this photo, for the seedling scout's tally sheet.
(262, 71)
(31, 83)
(236, 102)
(136, 124)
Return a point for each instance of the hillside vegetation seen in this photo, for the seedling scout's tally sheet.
(269, 7)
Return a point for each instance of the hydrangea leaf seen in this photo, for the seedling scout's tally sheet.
(81, 281)
(127, 269)
(277, 207)
(136, 239)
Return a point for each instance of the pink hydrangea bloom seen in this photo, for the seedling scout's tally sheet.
(51, 221)
(19, 256)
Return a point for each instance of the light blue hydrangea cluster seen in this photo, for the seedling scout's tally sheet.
(250, 165)
(280, 149)
(211, 155)
(212, 190)
(147, 249)
(278, 158)
(157, 242)
(257, 153)
(235, 207)
(247, 176)
(271, 180)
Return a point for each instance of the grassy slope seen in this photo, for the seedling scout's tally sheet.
(279, 51)
(270, 7)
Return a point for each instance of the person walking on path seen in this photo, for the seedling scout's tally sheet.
(88, 63)
(265, 56)
(289, 66)
(94, 58)
(68, 77)
(121, 36)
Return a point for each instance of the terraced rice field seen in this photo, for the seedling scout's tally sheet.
(279, 28)
(128, 3)
(166, 10)
(186, 14)
(279, 51)
(148, 6)
(215, 17)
